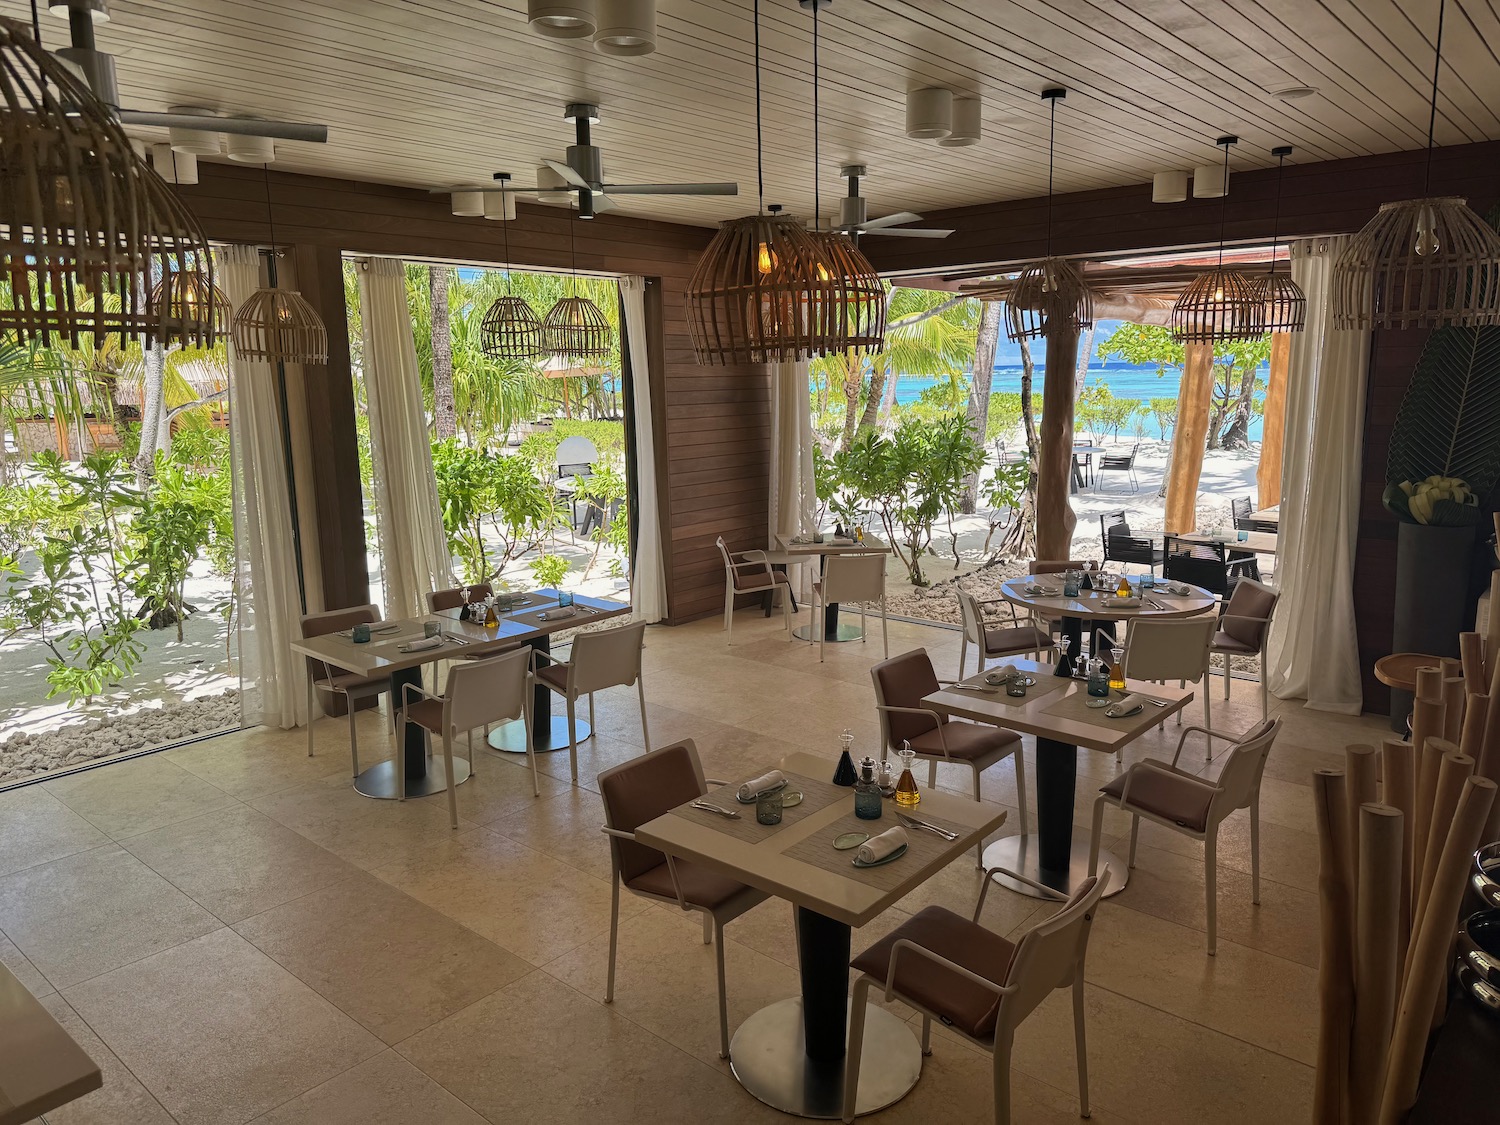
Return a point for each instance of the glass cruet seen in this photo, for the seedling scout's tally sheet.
(906, 785)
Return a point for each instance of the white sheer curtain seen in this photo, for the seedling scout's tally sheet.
(648, 580)
(414, 555)
(1314, 654)
(794, 500)
(270, 607)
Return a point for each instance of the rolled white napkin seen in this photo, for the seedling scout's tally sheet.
(878, 847)
(757, 785)
(422, 645)
(1000, 675)
(1125, 706)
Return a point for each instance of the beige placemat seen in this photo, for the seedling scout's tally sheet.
(921, 847)
(816, 795)
(1073, 707)
(1045, 682)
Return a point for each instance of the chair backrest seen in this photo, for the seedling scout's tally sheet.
(854, 578)
(642, 789)
(902, 681)
(440, 600)
(728, 558)
(972, 616)
(332, 620)
(1049, 955)
(1240, 511)
(1247, 616)
(609, 658)
(1169, 650)
(488, 690)
(1246, 764)
(1202, 564)
(1056, 566)
(575, 453)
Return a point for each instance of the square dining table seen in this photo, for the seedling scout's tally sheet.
(41, 1067)
(833, 632)
(1055, 711)
(790, 1055)
(532, 621)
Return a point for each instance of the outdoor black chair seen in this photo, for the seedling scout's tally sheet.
(1240, 510)
(1203, 564)
(1118, 463)
(1122, 546)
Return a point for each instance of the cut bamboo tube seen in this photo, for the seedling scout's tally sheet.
(1430, 944)
(1361, 773)
(1492, 621)
(1476, 715)
(1335, 965)
(1377, 965)
(1398, 785)
(1426, 721)
(1471, 655)
(1428, 762)
(1453, 771)
(1453, 699)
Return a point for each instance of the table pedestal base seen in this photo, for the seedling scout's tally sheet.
(1020, 854)
(769, 1058)
(844, 632)
(379, 781)
(546, 736)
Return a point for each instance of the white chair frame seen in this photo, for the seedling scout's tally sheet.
(843, 580)
(971, 613)
(757, 561)
(585, 679)
(352, 696)
(1186, 663)
(1265, 639)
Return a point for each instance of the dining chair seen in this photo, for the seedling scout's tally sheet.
(1057, 566)
(639, 791)
(353, 687)
(749, 572)
(1203, 564)
(851, 578)
(1024, 636)
(456, 596)
(977, 983)
(1107, 628)
(1172, 650)
(479, 693)
(1192, 805)
(1122, 545)
(606, 659)
(901, 683)
(1239, 511)
(1244, 629)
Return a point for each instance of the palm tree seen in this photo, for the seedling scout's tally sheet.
(444, 420)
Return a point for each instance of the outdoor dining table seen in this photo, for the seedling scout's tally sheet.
(790, 1055)
(1055, 710)
(833, 631)
(1083, 470)
(1255, 542)
(532, 621)
(1270, 517)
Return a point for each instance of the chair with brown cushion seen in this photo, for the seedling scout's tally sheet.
(353, 687)
(439, 600)
(1024, 636)
(858, 579)
(901, 683)
(976, 982)
(1192, 805)
(749, 572)
(606, 659)
(639, 791)
(1244, 629)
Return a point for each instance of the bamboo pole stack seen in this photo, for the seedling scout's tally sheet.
(1394, 863)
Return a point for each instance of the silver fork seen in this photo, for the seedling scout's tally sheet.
(706, 807)
(913, 822)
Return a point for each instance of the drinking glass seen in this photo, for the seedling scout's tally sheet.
(564, 598)
(768, 808)
(1071, 584)
(1242, 535)
(429, 628)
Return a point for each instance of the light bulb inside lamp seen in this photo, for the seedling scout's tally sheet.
(765, 259)
(1426, 241)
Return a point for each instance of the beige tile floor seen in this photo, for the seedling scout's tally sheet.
(237, 936)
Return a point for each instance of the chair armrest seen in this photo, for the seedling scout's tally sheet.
(538, 654)
(756, 556)
(906, 943)
(1242, 617)
(935, 716)
(608, 831)
(1160, 767)
(671, 870)
(1211, 734)
(408, 689)
(989, 877)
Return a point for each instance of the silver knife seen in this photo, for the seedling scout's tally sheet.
(913, 822)
(706, 807)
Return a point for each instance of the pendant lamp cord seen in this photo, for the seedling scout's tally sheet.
(265, 171)
(573, 258)
(1276, 220)
(36, 34)
(1224, 206)
(1437, 62)
(1051, 156)
(817, 196)
(760, 173)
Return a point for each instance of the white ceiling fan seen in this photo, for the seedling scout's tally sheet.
(853, 221)
(584, 173)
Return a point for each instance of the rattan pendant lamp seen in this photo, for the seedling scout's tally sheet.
(80, 213)
(574, 326)
(510, 328)
(1284, 301)
(1050, 292)
(1420, 263)
(187, 299)
(751, 297)
(277, 325)
(1221, 305)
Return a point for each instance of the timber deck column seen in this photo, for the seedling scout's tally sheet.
(1273, 424)
(1194, 400)
(1055, 518)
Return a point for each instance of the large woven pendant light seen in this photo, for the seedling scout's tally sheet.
(510, 328)
(1221, 305)
(575, 327)
(1420, 263)
(1050, 292)
(751, 297)
(186, 301)
(1284, 301)
(277, 325)
(80, 213)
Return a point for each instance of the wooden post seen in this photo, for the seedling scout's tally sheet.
(1055, 519)
(1273, 423)
(1194, 400)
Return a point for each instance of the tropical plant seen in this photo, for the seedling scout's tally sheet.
(181, 516)
(1004, 494)
(1005, 416)
(479, 490)
(1164, 412)
(549, 570)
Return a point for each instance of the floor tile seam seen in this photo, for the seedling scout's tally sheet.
(95, 1032)
(107, 842)
(63, 992)
(1122, 842)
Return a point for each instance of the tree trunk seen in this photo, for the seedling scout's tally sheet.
(880, 376)
(1181, 515)
(1273, 423)
(851, 369)
(444, 410)
(1218, 409)
(1237, 436)
(979, 392)
(1055, 518)
(1020, 538)
(153, 373)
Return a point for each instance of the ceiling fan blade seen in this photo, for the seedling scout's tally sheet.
(604, 203)
(495, 189)
(890, 220)
(673, 189)
(245, 126)
(910, 232)
(567, 172)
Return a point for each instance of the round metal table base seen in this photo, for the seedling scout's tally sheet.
(845, 633)
(511, 738)
(768, 1057)
(379, 781)
(1019, 854)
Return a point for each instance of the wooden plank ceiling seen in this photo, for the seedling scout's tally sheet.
(424, 93)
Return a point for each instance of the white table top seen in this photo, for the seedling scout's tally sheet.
(1267, 515)
(382, 653)
(1054, 708)
(41, 1067)
(764, 865)
(1090, 603)
(1256, 542)
(871, 546)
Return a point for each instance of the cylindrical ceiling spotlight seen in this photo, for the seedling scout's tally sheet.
(468, 204)
(174, 167)
(552, 188)
(966, 124)
(561, 19)
(250, 150)
(929, 113)
(194, 141)
(1169, 187)
(626, 27)
(1210, 181)
(500, 205)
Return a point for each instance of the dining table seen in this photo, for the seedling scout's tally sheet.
(1255, 542)
(400, 649)
(790, 1055)
(1266, 517)
(1055, 710)
(41, 1067)
(1083, 470)
(834, 631)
